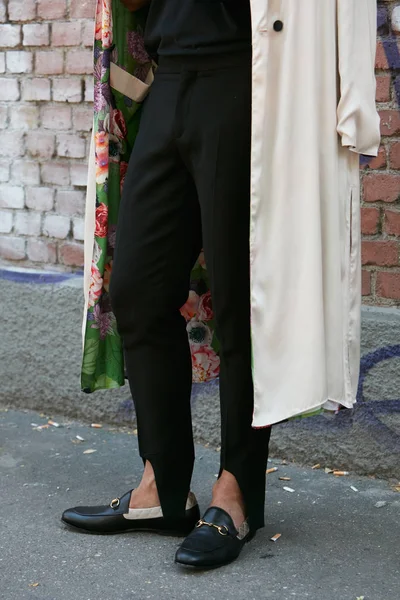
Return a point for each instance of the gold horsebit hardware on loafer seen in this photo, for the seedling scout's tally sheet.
(114, 503)
(222, 529)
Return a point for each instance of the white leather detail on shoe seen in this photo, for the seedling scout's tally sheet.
(144, 513)
(191, 501)
(156, 511)
(243, 530)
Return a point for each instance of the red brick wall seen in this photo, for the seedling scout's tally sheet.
(45, 118)
(381, 177)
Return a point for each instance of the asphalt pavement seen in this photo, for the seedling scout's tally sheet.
(339, 535)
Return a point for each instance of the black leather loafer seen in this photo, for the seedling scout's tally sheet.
(117, 517)
(214, 542)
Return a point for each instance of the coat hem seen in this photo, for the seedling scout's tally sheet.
(312, 411)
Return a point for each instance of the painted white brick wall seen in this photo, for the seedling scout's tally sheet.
(46, 115)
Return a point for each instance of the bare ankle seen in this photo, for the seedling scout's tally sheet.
(148, 481)
(228, 496)
(146, 494)
(144, 497)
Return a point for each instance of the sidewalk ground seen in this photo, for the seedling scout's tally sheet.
(336, 544)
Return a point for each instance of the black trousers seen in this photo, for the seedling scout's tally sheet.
(187, 187)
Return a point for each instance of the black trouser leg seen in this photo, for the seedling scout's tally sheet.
(158, 241)
(219, 150)
(194, 138)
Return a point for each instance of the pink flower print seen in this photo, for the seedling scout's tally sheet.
(189, 309)
(103, 28)
(101, 146)
(96, 285)
(205, 364)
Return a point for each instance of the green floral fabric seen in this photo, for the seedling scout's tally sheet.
(119, 39)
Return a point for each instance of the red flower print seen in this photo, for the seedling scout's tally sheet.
(101, 221)
(205, 308)
(118, 125)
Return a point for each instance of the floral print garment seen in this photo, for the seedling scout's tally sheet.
(119, 39)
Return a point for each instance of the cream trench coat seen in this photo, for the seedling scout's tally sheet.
(313, 113)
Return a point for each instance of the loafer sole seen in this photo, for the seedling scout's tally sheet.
(188, 566)
(166, 532)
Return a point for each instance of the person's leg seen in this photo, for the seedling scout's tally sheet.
(158, 240)
(221, 109)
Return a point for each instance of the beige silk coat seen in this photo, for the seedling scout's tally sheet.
(313, 113)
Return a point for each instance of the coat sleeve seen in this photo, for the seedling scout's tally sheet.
(358, 120)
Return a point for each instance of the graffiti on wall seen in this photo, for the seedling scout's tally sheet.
(392, 51)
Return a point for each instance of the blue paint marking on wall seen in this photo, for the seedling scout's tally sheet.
(37, 277)
(393, 57)
(370, 360)
(126, 408)
(374, 409)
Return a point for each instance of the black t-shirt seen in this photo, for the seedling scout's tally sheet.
(197, 27)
